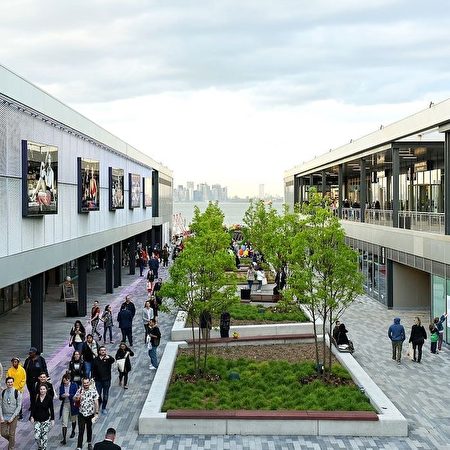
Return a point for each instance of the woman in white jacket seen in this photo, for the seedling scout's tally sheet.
(259, 278)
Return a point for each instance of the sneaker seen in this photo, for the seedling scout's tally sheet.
(104, 412)
(151, 367)
(89, 446)
(125, 387)
(72, 435)
(398, 362)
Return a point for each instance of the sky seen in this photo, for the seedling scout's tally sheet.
(233, 92)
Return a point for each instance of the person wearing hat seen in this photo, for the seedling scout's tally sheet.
(34, 365)
(17, 372)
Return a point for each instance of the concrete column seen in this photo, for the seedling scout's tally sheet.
(37, 311)
(447, 183)
(362, 188)
(83, 265)
(395, 185)
(109, 270)
(132, 249)
(324, 182)
(117, 264)
(301, 184)
(390, 283)
(296, 193)
(340, 183)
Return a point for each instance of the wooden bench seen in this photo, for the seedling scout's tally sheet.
(272, 415)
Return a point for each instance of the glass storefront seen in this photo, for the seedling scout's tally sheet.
(13, 295)
(439, 288)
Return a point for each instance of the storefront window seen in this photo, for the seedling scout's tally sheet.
(438, 302)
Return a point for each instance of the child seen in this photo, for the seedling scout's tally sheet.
(434, 337)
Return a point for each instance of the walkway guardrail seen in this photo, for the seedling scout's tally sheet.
(422, 221)
(379, 217)
(353, 214)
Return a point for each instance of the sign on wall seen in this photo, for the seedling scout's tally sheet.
(39, 179)
(147, 188)
(134, 185)
(88, 185)
(116, 189)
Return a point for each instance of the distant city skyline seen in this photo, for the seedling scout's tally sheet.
(203, 192)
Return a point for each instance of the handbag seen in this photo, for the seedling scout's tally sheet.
(410, 352)
(264, 281)
(121, 362)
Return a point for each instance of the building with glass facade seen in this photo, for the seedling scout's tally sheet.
(391, 190)
(74, 197)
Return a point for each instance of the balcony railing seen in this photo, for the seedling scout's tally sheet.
(422, 221)
(353, 214)
(379, 217)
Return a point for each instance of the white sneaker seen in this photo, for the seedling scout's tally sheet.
(151, 367)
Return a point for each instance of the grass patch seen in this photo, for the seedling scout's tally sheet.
(242, 311)
(266, 385)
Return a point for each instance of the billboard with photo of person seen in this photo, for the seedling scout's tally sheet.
(134, 186)
(147, 188)
(88, 185)
(39, 179)
(116, 189)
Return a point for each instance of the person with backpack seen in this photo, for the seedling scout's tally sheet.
(17, 372)
(11, 405)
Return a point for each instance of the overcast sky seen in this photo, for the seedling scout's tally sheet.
(233, 92)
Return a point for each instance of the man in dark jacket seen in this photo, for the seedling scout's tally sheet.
(108, 443)
(125, 321)
(128, 304)
(101, 372)
(153, 264)
(396, 334)
(34, 365)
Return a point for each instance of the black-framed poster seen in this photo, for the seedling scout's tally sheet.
(88, 185)
(147, 189)
(116, 189)
(134, 186)
(39, 179)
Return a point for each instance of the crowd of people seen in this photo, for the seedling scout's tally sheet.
(83, 390)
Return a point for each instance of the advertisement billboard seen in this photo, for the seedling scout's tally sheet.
(39, 179)
(147, 188)
(134, 186)
(116, 189)
(88, 185)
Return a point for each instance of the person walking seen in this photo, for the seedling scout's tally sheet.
(417, 338)
(17, 372)
(87, 399)
(250, 277)
(165, 255)
(396, 333)
(129, 305)
(259, 278)
(11, 406)
(76, 368)
(439, 322)
(125, 321)
(434, 337)
(67, 411)
(123, 363)
(108, 442)
(89, 352)
(107, 323)
(147, 315)
(153, 341)
(153, 264)
(95, 319)
(77, 336)
(33, 365)
(101, 372)
(42, 416)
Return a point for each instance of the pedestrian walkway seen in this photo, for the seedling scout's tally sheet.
(419, 391)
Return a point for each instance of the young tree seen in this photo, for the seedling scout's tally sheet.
(198, 282)
(324, 275)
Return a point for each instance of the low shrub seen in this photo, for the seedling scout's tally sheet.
(242, 311)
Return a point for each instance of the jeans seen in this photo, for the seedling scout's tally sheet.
(153, 356)
(250, 284)
(88, 368)
(77, 346)
(397, 350)
(103, 392)
(433, 347)
(127, 333)
(419, 346)
(84, 422)
(441, 338)
(124, 376)
(105, 330)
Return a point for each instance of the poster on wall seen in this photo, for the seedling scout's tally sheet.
(39, 179)
(134, 185)
(88, 185)
(147, 188)
(116, 189)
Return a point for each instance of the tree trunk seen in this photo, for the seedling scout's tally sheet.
(193, 344)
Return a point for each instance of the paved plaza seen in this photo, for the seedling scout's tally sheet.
(420, 391)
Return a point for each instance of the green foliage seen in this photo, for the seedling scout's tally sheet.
(242, 311)
(264, 385)
(198, 281)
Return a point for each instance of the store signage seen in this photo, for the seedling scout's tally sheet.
(381, 174)
(422, 166)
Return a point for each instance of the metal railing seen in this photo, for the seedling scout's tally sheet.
(379, 217)
(422, 221)
(353, 214)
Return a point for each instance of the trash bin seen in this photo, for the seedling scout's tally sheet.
(245, 294)
(71, 309)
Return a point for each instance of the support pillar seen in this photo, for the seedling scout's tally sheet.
(132, 250)
(117, 264)
(83, 265)
(296, 192)
(395, 185)
(390, 283)
(324, 183)
(301, 183)
(109, 269)
(362, 189)
(340, 183)
(447, 183)
(37, 311)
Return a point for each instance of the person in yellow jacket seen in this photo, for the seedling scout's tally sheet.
(17, 372)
